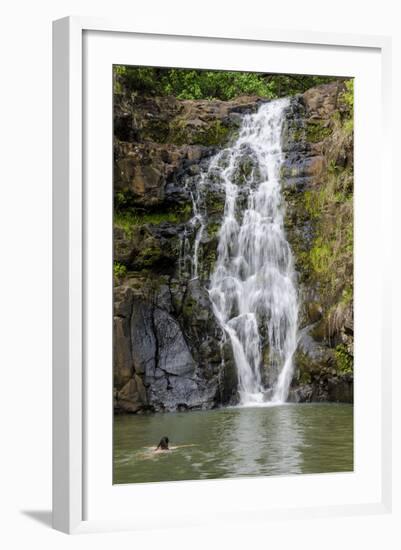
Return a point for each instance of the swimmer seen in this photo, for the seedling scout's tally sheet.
(163, 444)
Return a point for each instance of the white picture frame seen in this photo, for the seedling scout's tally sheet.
(71, 256)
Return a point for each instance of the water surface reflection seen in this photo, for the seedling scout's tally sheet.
(235, 442)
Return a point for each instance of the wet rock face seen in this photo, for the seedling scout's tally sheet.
(142, 170)
(317, 377)
(317, 179)
(159, 139)
(169, 352)
(166, 342)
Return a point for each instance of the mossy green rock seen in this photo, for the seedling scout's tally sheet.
(317, 178)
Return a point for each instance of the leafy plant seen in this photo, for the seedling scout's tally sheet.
(204, 84)
(347, 98)
(348, 95)
(120, 271)
(344, 359)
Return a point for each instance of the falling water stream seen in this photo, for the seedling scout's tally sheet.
(252, 288)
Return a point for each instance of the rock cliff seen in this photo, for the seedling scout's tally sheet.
(167, 344)
(317, 179)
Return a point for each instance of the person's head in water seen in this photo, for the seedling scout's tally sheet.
(163, 444)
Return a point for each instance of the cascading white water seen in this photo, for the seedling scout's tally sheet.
(197, 223)
(197, 219)
(253, 288)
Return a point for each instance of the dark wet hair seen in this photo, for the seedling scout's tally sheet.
(163, 444)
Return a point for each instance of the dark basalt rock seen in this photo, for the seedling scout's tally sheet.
(172, 356)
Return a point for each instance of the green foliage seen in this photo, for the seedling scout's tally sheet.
(347, 99)
(128, 220)
(125, 221)
(349, 239)
(282, 85)
(344, 359)
(349, 125)
(321, 255)
(119, 72)
(337, 190)
(304, 378)
(312, 203)
(192, 84)
(347, 295)
(141, 79)
(203, 84)
(316, 132)
(305, 369)
(332, 168)
(332, 249)
(213, 229)
(120, 271)
(329, 260)
(216, 134)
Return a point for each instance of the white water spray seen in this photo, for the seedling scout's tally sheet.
(252, 288)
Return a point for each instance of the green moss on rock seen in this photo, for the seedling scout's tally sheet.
(130, 219)
(344, 360)
(120, 272)
(316, 131)
(306, 371)
(213, 229)
(212, 134)
(313, 131)
(215, 203)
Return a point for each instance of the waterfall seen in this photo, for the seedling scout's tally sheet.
(252, 288)
(197, 220)
(196, 225)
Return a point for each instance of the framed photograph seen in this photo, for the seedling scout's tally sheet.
(220, 317)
